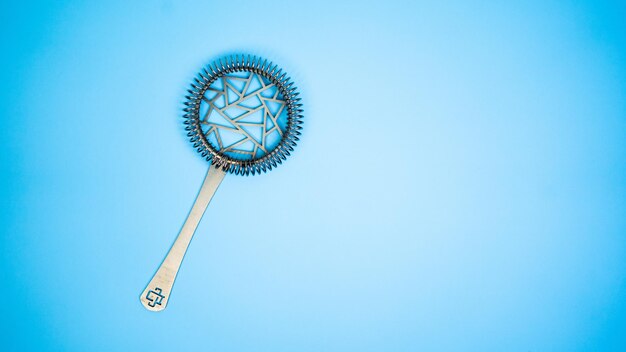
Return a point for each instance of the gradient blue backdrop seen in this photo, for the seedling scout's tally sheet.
(460, 184)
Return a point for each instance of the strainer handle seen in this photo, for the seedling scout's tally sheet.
(157, 294)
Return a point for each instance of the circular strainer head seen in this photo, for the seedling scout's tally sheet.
(243, 114)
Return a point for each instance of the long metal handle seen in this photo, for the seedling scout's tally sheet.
(157, 293)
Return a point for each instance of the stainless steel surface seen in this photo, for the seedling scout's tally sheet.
(243, 115)
(221, 88)
(157, 293)
(291, 100)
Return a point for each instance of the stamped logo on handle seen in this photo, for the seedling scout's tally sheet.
(155, 297)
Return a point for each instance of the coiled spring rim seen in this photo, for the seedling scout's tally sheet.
(275, 75)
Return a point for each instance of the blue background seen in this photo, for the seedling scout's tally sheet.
(460, 183)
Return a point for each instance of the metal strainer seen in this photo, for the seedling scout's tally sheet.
(244, 116)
